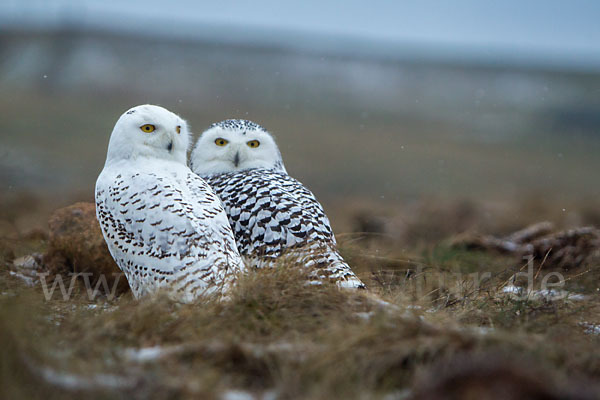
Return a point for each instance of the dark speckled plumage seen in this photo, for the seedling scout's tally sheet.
(238, 124)
(272, 214)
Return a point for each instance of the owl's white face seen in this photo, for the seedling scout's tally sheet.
(149, 131)
(235, 145)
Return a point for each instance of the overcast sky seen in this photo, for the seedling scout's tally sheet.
(568, 29)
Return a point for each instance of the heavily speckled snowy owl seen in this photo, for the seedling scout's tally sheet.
(270, 212)
(164, 225)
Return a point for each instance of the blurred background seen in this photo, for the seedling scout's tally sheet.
(376, 106)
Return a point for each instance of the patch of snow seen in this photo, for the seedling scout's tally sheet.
(78, 382)
(545, 294)
(575, 296)
(398, 395)
(147, 354)
(484, 330)
(234, 394)
(590, 329)
(364, 315)
(511, 289)
(316, 283)
(551, 294)
(27, 279)
(238, 395)
(156, 353)
(270, 395)
(72, 381)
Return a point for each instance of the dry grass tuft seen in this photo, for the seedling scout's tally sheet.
(76, 245)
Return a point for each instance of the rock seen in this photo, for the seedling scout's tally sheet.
(27, 268)
(76, 245)
(30, 262)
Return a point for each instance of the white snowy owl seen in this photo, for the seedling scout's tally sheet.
(164, 225)
(270, 212)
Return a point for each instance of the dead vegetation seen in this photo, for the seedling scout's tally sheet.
(455, 331)
(567, 249)
(76, 245)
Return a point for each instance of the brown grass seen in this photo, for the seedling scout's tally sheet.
(443, 335)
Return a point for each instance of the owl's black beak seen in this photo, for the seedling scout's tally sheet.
(236, 159)
(170, 146)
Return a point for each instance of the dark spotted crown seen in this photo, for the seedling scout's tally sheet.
(239, 124)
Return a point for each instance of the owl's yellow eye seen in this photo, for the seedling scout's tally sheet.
(253, 143)
(221, 142)
(178, 129)
(148, 128)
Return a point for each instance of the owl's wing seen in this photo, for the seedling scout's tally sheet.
(296, 212)
(308, 232)
(271, 212)
(166, 232)
(313, 210)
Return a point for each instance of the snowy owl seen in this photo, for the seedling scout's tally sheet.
(164, 226)
(270, 212)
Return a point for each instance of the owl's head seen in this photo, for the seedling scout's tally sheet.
(235, 145)
(149, 131)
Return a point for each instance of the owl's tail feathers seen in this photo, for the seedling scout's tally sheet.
(329, 265)
(339, 271)
(351, 283)
(343, 276)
